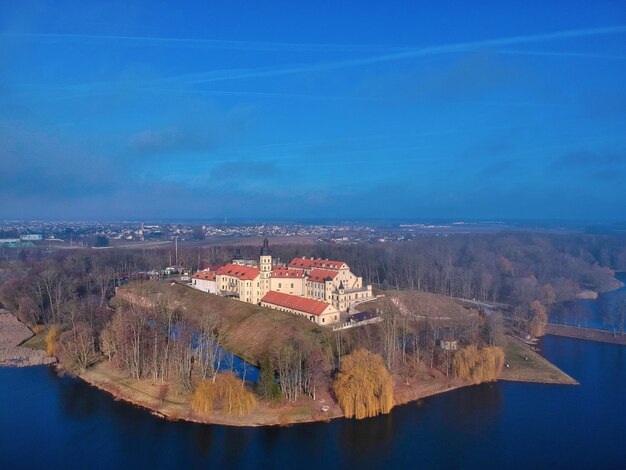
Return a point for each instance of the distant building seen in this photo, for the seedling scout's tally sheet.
(10, 242)
(448, 344)
(314, 288)
(31, 237)
(14, 243)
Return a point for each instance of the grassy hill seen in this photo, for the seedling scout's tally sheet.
(427, 304)
(252, 331)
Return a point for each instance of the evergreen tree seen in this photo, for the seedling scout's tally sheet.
(266, 387)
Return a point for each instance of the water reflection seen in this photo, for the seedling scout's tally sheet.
(603, 312)
(512, 425)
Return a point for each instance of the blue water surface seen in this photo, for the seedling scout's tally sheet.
(60, 422)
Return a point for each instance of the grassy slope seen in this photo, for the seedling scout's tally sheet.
(430, 305)
(533, 369)
(37, 341)
(252, 331)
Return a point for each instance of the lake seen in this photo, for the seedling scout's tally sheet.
(599, 313)
(51, 421)
(54, 422)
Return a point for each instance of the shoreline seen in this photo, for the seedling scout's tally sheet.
(13, 334)
(526, 366)
(145, 394)
(264, 415)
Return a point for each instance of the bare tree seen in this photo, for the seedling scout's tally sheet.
(76, 348)
(316, 369)
(210, 337)
(288, 362)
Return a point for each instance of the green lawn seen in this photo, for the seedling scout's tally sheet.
(37, 342)
(527, 366)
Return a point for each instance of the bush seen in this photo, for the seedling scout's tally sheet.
(51, 340)
(363, 386)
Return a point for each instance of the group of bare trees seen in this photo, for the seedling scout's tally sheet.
(164, 343)
(411, 336)
(47, 291)
(300, 369)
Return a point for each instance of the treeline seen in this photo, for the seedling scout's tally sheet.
(529, 271)
(511, 267)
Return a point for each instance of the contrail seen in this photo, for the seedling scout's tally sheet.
(413, 53)
(405, 54)
(582, 55)
(210, 43)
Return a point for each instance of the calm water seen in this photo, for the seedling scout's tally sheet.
(598, 313)
(61, 422)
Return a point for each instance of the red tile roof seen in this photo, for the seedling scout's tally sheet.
(245, 273)
(284, 272)
(315, 307)
(306, 263)
(321, 275)
(206, 275)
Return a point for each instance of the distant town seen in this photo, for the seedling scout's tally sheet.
(81, 234)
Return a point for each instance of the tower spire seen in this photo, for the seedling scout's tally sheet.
(265, 251)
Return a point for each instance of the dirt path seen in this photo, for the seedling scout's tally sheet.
(585, 333)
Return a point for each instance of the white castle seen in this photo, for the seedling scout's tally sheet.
(318, 289)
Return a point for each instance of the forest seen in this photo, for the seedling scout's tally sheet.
(69, 295)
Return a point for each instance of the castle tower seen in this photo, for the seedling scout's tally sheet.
(265, 267)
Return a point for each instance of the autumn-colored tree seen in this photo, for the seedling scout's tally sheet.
(51, 340)
(236, 399)
(538, 319)
(363, 386)
(226, 393)
(203, 401)
(549, 294)
(475, 365)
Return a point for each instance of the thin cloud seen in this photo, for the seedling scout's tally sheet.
(599, 165)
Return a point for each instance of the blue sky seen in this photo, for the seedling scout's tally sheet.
(325, 109)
